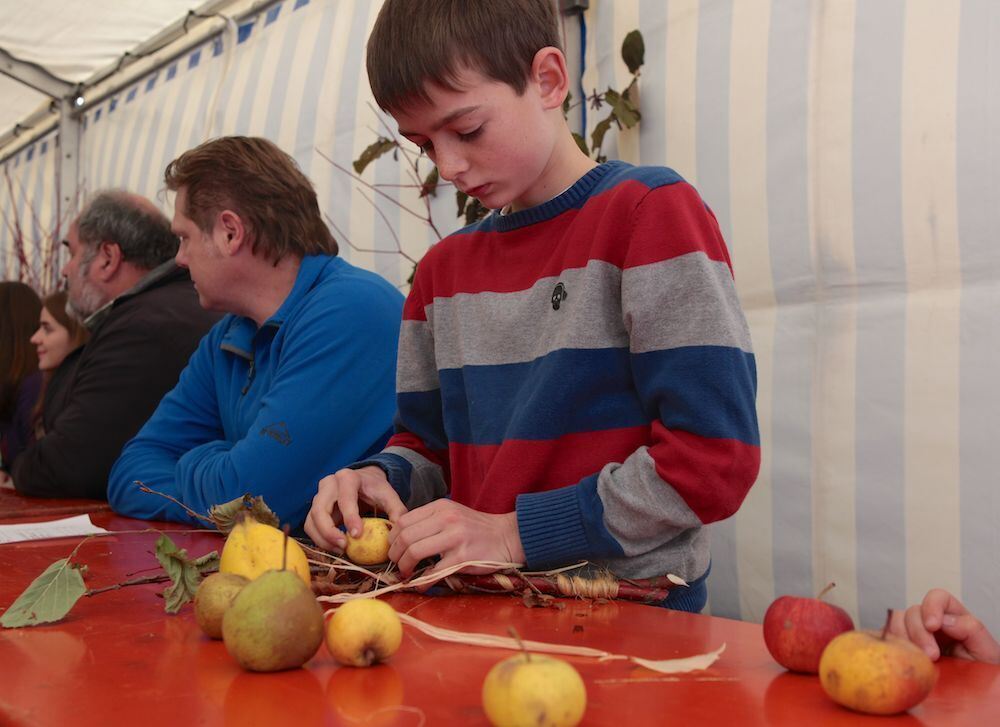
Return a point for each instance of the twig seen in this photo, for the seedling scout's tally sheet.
(174, 500)
(123, 584)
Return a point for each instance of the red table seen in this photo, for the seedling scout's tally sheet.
(18, 508)
(119, 659)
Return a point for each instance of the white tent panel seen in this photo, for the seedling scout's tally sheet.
(72, 40)
(18, 101)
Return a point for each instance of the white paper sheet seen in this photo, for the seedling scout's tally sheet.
(64, 528)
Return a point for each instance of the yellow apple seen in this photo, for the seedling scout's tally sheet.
(363, 631)
(875, 673)
(534, 691)
(372, 546)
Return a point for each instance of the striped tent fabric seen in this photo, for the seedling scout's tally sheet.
(850, 152)
(31, 221)
(848, 148)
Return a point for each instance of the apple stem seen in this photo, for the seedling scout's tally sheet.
(517, 637)
(284, 548)
(888, 620)
(829, 586)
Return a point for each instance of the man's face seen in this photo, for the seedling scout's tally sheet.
(84, 291)
(200, 254)
(494, 145)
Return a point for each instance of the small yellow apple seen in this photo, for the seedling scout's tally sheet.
(875, 673)
(534, 691)
(363, 631)
(213, 598)
(372, 546)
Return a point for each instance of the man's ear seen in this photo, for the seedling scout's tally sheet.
(108, 261)
(549, 74)
(234, 232)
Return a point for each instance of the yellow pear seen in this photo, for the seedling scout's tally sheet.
(253, 548)
(532, 690)
(275, 623)
(363, 631)
(213, 598)
(372, 546)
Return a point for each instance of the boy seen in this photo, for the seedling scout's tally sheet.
(575, 379)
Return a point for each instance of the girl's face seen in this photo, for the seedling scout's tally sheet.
(51, 341)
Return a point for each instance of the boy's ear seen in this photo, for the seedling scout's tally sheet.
(549, 74)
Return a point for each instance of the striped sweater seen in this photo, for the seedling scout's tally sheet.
(586, 363)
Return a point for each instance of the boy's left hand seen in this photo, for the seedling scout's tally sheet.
(455, 532)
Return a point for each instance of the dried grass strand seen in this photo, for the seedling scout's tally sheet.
(697, 662)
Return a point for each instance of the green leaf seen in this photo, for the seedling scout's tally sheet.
(226, 515)
(633, 51)
(461, 199)
(49, 597)
(597, 135)
(567, 103)
(184, 572)
(582, 143)
(376, 149)
(624, 111)
(429, 187)
(475, 211)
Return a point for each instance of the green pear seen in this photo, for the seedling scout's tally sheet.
(213, 598)
(275, 623)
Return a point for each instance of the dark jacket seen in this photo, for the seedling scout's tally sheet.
(133, 358)
(16, 433)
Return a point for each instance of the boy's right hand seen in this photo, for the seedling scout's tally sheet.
(942, 625)
(336, 502)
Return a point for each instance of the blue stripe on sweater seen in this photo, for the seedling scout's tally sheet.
(567, 391)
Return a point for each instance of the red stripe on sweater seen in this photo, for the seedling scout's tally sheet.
(502, 262)
(712, 475)
(489, 478)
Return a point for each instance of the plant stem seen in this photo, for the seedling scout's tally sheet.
(134, 582)
(888, 620)
(829, 586)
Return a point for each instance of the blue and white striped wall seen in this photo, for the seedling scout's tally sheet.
(850, 151)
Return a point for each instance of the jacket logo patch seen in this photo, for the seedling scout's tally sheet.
(278, 432)
(559, 294)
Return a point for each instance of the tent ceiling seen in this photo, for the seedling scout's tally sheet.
(73, 40)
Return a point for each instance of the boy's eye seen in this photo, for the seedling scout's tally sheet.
(471, 135)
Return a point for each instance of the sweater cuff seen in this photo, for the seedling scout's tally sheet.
(551, 527)
(397, 471)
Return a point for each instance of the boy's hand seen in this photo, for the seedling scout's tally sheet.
(455, 532)
(942, 625)
(336, 502)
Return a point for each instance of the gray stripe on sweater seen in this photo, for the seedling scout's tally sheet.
(414, 370)
(685, 292)
(680, 299)
(657, 530)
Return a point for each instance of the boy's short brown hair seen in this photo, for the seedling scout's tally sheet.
(419, 41)
(263, 185)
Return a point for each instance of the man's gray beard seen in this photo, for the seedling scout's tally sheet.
(89, 298)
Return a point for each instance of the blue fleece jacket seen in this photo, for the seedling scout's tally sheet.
(271, 410)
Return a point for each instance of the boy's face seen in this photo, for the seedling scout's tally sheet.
(491, 143)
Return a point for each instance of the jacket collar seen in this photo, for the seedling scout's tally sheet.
(160, 273)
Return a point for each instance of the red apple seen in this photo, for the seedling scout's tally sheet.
(796, 630)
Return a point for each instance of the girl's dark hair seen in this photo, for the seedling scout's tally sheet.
(19, 309)
(55, 304)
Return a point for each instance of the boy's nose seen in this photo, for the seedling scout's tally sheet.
(450, 163)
